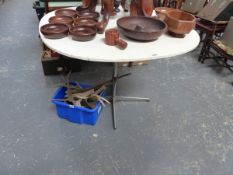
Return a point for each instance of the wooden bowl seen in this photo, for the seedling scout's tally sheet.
(89, 14)
(88, 22)
(82, 33)
(180, 23)
(141, 28)
(162, 12)
(66, 12)
(67, 20)
(54, 31)
(82, 11)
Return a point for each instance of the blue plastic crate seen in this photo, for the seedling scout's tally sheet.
(76, 114)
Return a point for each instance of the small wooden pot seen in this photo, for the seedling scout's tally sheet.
(112, 38)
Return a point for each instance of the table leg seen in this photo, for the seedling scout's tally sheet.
(120, 98)
(114, 85)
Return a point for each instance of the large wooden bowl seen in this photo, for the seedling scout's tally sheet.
(82, 33)
(141, 28)
(180, 23)
(54, 31)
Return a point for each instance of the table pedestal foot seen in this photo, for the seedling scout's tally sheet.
(126, 98)
(116, 98)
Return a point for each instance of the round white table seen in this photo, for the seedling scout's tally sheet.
(97, 51)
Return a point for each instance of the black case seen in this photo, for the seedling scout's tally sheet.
(39, 10)
(60, 65)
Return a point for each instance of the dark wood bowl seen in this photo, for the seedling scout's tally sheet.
(82, 11)
(66, 12)
(67, 20)
(88, 22)
(89, 14)
(141, 28)
(82, 33)
(54, 31)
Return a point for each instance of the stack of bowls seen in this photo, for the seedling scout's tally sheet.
(80, 25)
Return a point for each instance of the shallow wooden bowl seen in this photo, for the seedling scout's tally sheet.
(66, 12)
(82, 33)
(67, 20)
(88, 22)
(89, 14)
(54, 31)
(141, 28)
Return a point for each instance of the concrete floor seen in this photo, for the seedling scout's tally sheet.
(186, 129)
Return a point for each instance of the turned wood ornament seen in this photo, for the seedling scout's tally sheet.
(134, 6)
(107, 6)
(124, 5)
(107, 9)
(112, 38)
(141, 7)
(103, 23)
(147, 7)
(88, 5)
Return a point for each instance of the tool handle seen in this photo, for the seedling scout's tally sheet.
(121, 44)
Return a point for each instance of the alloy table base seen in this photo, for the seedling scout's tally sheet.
(116, 98)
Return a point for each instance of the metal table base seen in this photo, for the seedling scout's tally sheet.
(116, 98)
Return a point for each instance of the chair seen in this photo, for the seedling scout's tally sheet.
(157, 3)
(221, 50)
(173, 3)
(193, 6)
(209, 30)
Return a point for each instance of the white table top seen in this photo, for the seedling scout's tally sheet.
(95, 50)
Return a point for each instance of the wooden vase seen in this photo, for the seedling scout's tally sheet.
(86, 3)
(147, 7)
(141, 7)
(108, 7)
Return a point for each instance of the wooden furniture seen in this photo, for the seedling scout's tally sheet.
(96, 51)
(221, 49)
(141, 7)
(157, 3)
(173, 3)
(193, 6)
(208, 31)
(220, 10)
(219, 55)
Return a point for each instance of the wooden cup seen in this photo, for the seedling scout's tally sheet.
(112, 38)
